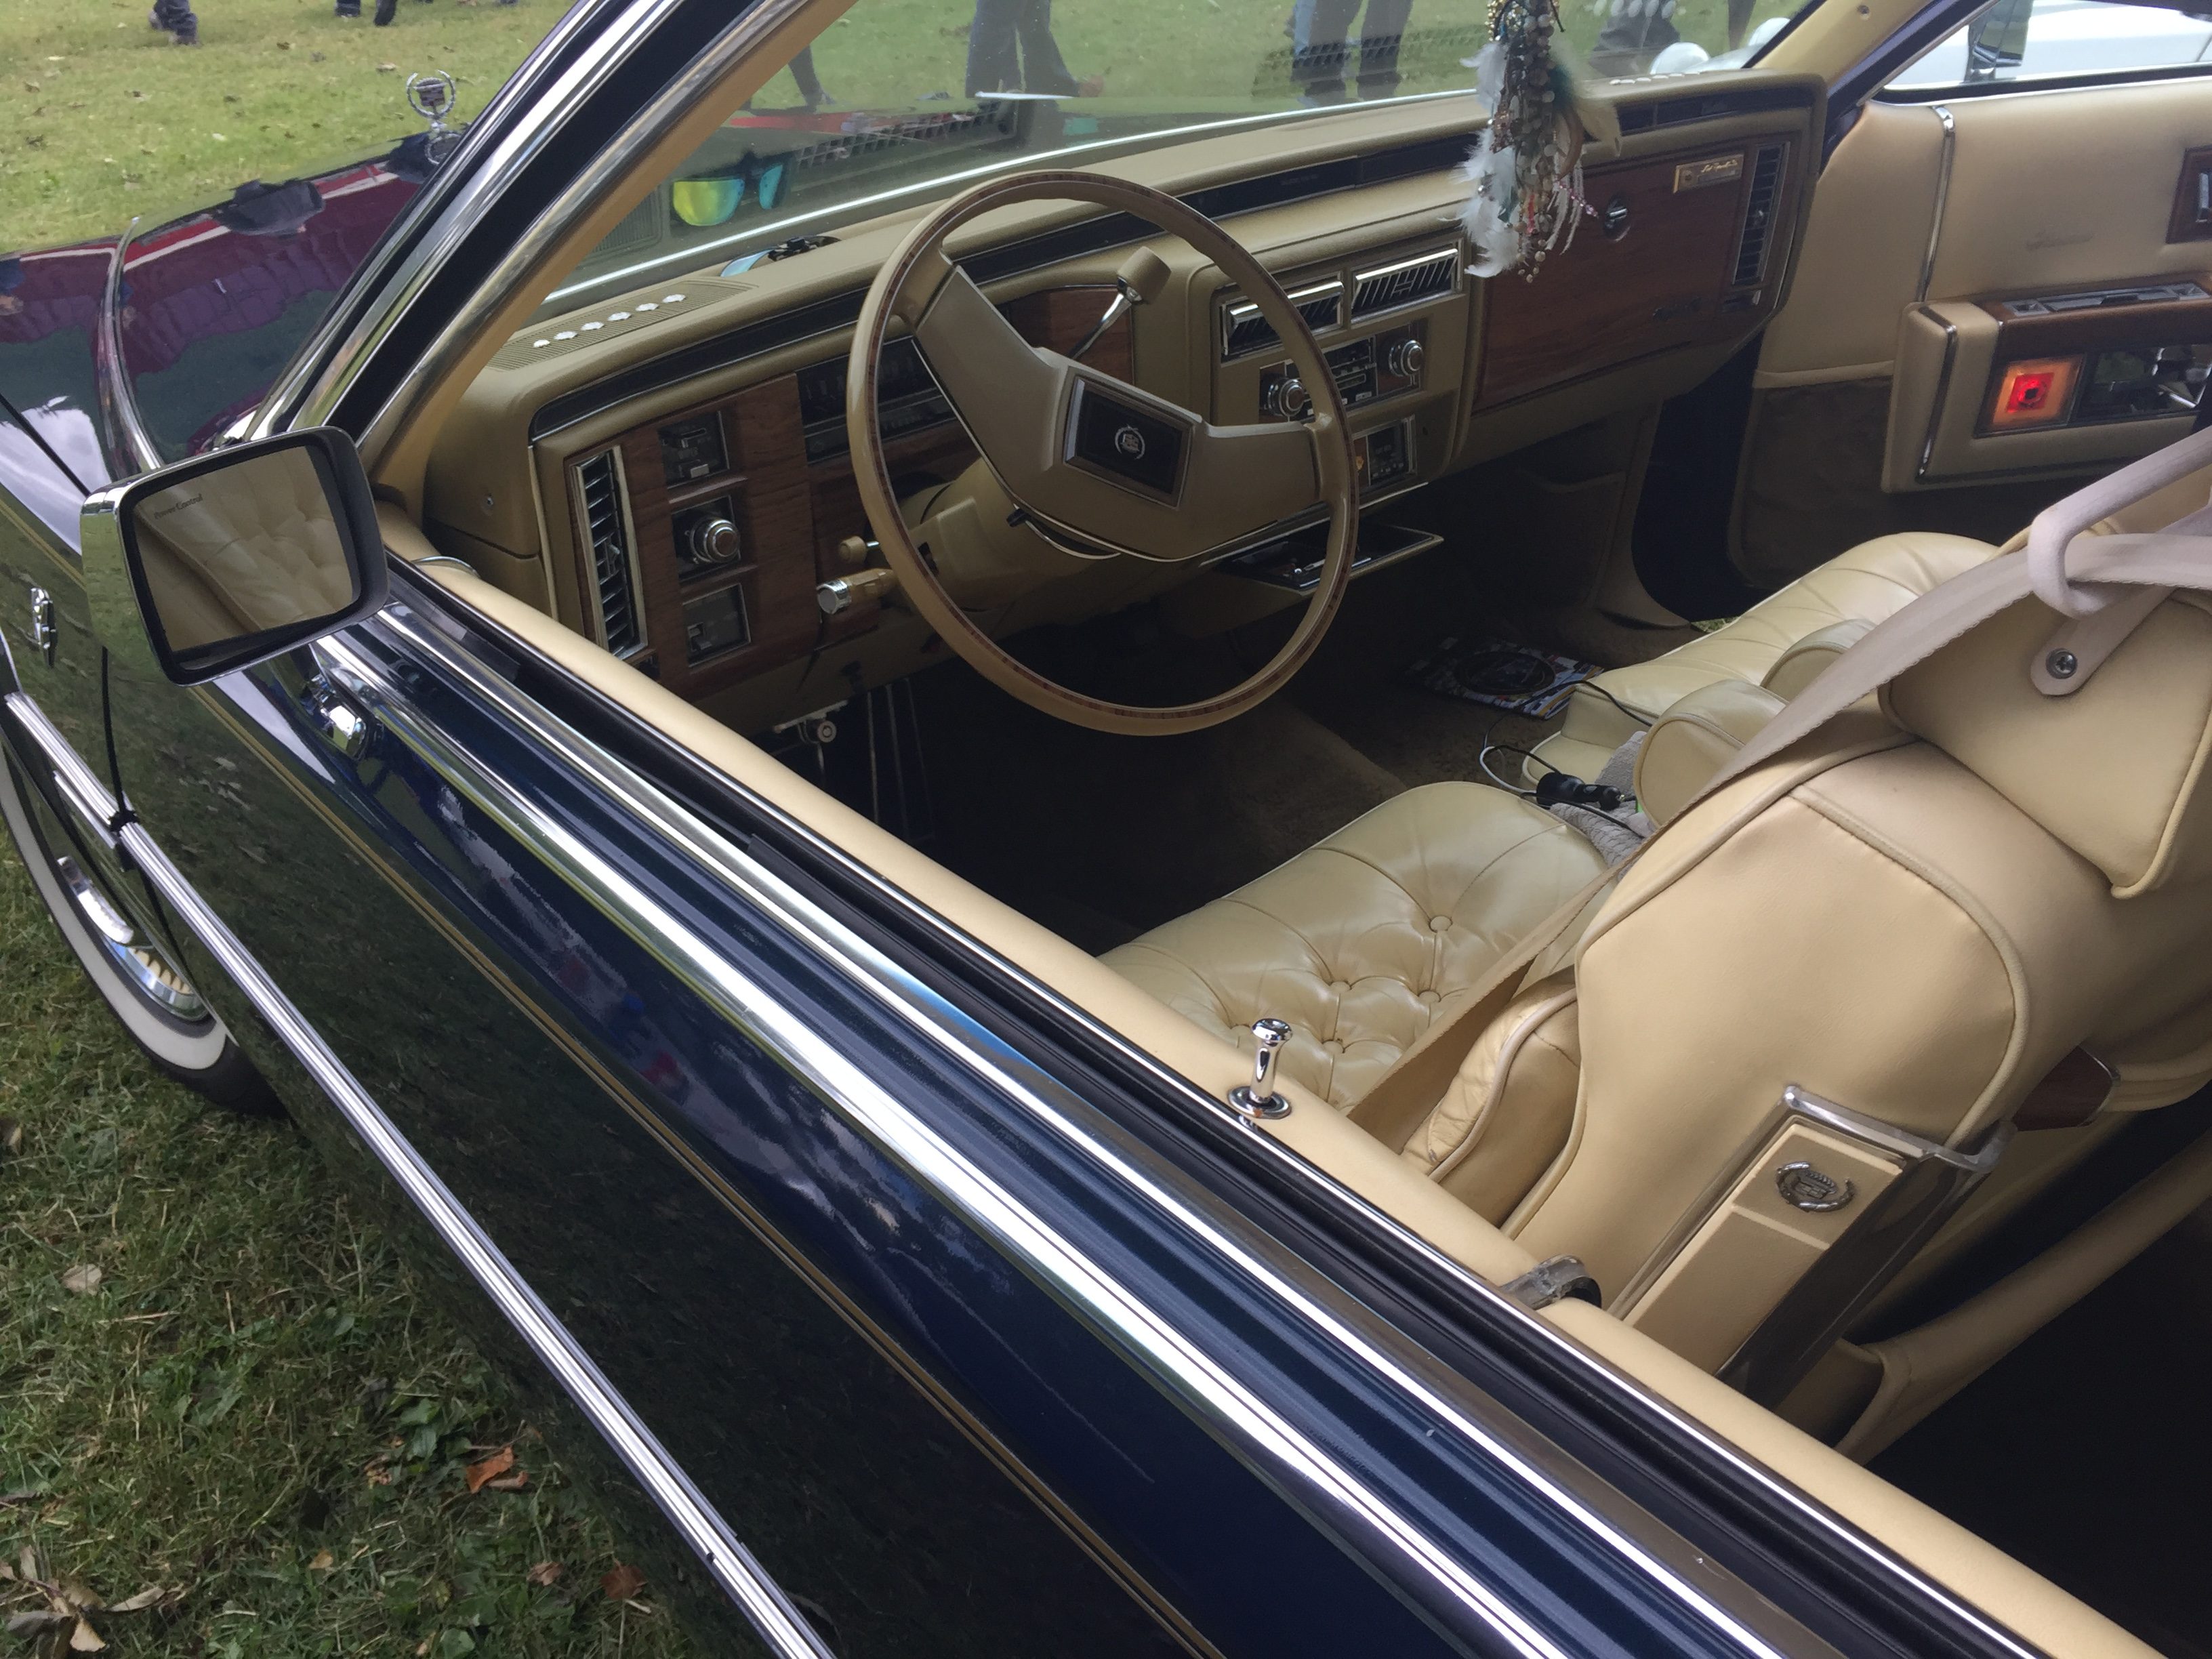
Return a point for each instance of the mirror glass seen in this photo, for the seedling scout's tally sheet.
(235, 553)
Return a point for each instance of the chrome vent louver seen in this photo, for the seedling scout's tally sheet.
(1244, 329)
(1407, 282)
(1759, 215)
(607, 527)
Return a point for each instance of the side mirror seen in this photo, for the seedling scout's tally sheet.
(237, 556)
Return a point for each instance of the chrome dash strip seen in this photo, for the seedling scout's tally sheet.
(1320, 1481)
(1048, 1103)
(779, 1623)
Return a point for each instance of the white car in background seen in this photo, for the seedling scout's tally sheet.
(2013, 40)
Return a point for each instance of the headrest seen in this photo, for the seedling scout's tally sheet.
(1697, 735)
(2116, 770)
(1803, 663)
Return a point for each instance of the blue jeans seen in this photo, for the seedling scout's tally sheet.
(1011, 48)
(1320, 47)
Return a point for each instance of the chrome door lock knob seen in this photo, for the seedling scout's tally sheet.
(1257, 1099)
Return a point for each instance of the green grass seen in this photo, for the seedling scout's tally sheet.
(102, 120)
(254, 1411)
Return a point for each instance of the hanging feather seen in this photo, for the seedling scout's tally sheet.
(1526, 171)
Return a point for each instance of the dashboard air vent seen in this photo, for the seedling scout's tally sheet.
(1759, 215)
(607, 525)
(1244, 329)
(1406, 282)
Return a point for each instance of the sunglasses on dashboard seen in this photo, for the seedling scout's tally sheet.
(714, 198)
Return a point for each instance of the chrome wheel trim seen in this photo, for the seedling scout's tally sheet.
(147, 969)
(149, 997)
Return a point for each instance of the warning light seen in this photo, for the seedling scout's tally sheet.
(2032, 392)
(2025, 393)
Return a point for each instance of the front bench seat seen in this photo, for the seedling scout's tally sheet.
(1840, 600)
(1365, 940)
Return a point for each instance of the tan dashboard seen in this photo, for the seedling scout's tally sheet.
(666, 471)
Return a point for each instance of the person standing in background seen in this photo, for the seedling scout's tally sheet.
(1320, 47)
(177, 17)
(1011, 48)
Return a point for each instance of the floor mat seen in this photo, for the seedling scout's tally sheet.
(1501, 674)
(1101, 838)
(2087, 1453)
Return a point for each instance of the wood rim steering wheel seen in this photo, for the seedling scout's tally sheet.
(1098, 466)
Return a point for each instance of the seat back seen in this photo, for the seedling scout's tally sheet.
(1808, 1015)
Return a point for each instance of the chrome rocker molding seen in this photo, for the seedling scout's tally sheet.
(1234, 1407)
(779, 1623)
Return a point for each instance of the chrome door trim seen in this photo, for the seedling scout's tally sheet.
(123, 404)
(436, 247)
(1942, 198)
(319, 372)
(80, 785)
(1263, 1434)
(1632, 1536)
(779, 1623)
(331, 341)
(641, 798)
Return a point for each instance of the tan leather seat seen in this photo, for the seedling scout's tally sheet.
(1842, 598)
(1365, 940)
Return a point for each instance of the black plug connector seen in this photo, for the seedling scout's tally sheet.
(1554, 788)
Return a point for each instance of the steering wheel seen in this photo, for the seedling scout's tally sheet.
(1099, 468)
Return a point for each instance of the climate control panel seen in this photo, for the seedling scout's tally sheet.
(1367, 370)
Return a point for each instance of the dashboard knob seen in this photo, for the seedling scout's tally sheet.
(713, 541)
(1405, 359)
(1291, 400)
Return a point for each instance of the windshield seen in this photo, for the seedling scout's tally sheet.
(902, 97)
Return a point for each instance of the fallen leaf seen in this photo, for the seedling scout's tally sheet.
(152, 1595)
(323, 1561)
(11, 1137)
(78, 1594)
(497, 1464)
(85, 1639)
(387, 69)
(514, 1482)
(82, 1280)
(546, 1574)
(8, 1500)
(622, 1583)
(36, 1623)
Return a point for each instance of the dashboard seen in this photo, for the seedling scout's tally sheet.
(667, 473)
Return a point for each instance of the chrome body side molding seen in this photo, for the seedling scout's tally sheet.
(779, 1623)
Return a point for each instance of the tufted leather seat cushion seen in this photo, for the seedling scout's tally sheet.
(1870, 584)
(1364, 940)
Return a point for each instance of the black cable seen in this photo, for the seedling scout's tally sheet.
(1644, 720)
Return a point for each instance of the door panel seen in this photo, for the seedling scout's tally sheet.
(1873, 400)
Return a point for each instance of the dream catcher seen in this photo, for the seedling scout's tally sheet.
(1527, 170)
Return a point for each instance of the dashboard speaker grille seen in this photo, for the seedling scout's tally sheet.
(599, 482)
(1406, 282)
(1759, 215)
(1244, 329)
